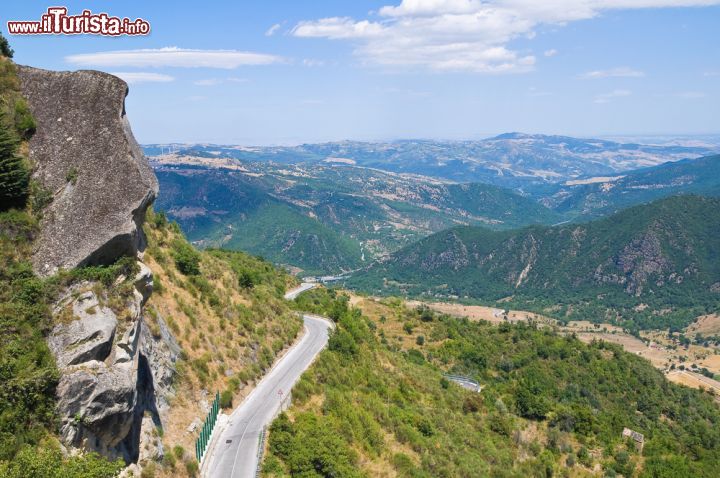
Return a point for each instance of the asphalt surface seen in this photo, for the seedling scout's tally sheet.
(292, 294)
(235, 453)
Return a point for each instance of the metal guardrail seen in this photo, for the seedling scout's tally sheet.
(261, 450)
(202, 442)
(284, 405)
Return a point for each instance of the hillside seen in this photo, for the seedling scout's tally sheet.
(324, 218)
(509, 160)
(605, 196)
(650, 266)
(115, 332)
(376, 404)
(228, 322)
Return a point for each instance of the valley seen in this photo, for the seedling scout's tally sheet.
(325, 218)
(680, 356)
(331, 215)
(648, 267)
(409, 239)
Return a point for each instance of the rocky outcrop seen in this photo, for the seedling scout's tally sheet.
(85, 154)
(115, 376)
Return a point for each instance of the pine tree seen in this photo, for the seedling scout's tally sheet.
(14, 174)
(5, 49)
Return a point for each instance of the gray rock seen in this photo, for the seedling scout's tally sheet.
(97, 406)
(89, 336)
(83, 132)
(162, 354)
(144, 282)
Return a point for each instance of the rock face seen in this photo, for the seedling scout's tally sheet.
(116, 377)
(86, 155)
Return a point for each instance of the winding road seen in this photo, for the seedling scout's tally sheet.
(234, 453)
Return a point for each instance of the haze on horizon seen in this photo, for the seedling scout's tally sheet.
(279, 72)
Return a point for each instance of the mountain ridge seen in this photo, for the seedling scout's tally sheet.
(508, 160)
(663, 255)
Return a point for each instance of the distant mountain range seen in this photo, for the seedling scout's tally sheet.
(325, 213)
(601, 196)
(325, 218)
(656, 264)
(510, 160)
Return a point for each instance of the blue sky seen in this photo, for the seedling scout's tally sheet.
(302, 71)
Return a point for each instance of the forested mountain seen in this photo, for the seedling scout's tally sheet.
(653, 265)
(603, 196)
(325, 218)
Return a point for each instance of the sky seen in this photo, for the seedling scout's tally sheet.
(286, 72)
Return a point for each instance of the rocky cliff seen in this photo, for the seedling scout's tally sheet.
(85, 154)
(115, 376)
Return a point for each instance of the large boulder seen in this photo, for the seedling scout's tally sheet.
(85, 154)
(87, 335)
(116, 377)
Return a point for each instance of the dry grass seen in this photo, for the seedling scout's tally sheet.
(694, 380)
(222, 345)
(479, 312)
(705, 325)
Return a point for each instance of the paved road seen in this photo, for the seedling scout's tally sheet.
(293, 293)
(235, 452)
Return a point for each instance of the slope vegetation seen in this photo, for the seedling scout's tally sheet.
(325, 218)
(650, 266)
(376, 404)
(692, 176)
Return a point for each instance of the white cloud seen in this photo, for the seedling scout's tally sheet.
(608, 97)
(310, 62)
(272, 30)
(622, 72)
(551, 52)
(208, 82)
(462, 35)
(711, 73)
(142, 77)
(218, 81)
(173, 57)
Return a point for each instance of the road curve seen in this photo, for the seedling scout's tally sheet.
(234, 454)
(293, 293)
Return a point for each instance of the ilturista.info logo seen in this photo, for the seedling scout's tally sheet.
(56, 21)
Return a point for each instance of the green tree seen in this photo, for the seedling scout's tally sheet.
(14, 174)
(50, 463)
(187, 259)
(5, 49)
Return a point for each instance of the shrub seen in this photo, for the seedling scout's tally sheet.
(191, 467)
(50, 463)
(14, 173)
(24, 122)
(72, 175)
(187, 259)
(148, 470)
(5, 49)
(226, 399)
